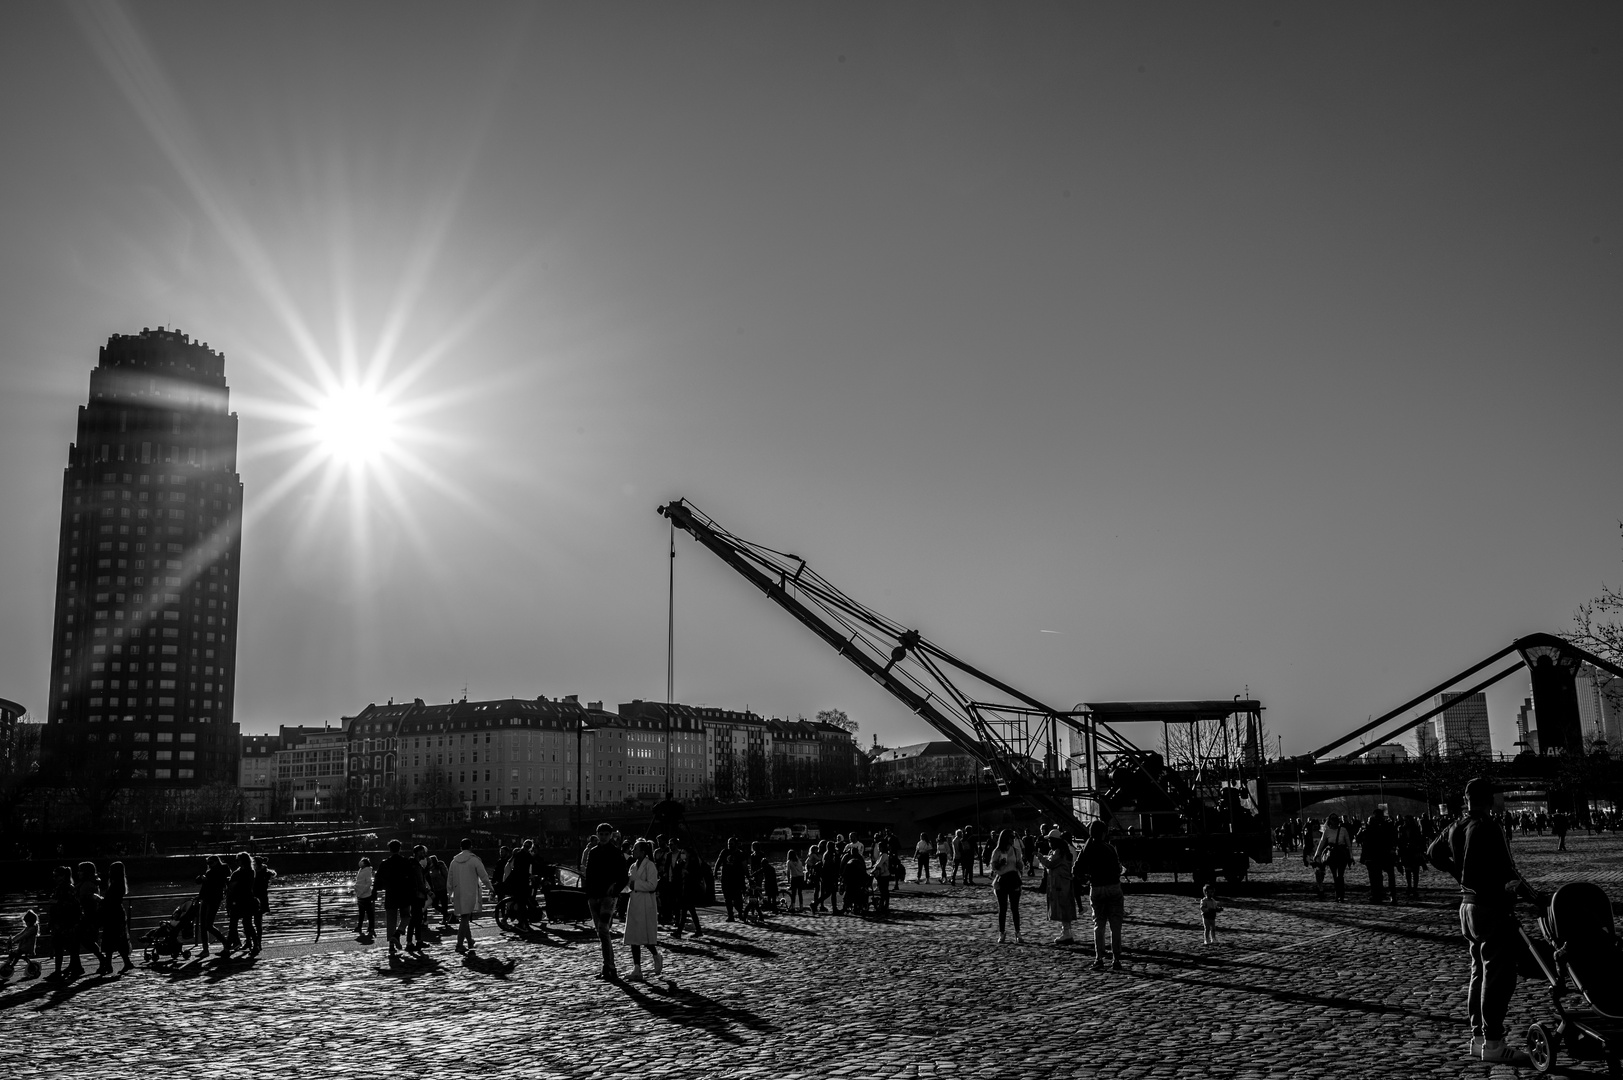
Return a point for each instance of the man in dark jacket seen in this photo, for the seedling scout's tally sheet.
(1474, 852)
(397, 880)
(1378, 851)
(262, 879)
(519, 886)
(603, 874)
(732, 868)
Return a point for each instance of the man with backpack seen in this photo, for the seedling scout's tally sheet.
(1475, 853)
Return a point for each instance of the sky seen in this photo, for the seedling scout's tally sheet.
(1128, 351)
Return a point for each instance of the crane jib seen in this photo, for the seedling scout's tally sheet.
(1003, 741)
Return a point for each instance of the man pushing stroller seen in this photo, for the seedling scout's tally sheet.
(1474, 852)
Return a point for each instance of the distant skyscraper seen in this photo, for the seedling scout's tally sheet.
(1600, 708)
(1526, 727)
(143, 656)
(1461, 730)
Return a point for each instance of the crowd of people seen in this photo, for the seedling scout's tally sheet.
(1386, 845)
(87, 913)
(655, 885)
(851, 876)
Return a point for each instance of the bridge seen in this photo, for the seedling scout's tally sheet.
(1295, 785)
(905, 811)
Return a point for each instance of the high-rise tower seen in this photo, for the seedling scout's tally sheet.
(143, 656)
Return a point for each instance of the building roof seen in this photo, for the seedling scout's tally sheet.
(935, 748)
(467, 715)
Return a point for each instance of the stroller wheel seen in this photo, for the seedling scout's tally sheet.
(1541, 1047)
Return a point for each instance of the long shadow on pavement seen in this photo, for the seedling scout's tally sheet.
(787, 928)
(744, 949)
(51, 993)
(694, 1010)
(899, 915)
(216, 971)
(696, 949)
(1193, 961)
(1348, 918)
(1317, 1001)
(410, 968)
(548, 938)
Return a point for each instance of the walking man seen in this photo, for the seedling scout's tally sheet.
(1474, 852)
(603, 875)
(397, 879)
(463, 878)
(732, 868)
(966, 855)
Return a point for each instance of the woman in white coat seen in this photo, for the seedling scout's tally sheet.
(462, 878)
(642, 910)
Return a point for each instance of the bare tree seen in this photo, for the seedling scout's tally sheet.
(19, 766)
(1600, 623)
(839, 719)
(96, 778)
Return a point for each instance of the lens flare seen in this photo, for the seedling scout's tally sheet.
(355, 425)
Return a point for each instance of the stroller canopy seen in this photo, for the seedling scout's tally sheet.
(1581, 922)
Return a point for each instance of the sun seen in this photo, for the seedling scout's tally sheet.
(355, 425)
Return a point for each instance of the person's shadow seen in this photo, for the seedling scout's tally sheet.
(409, 967)
(494, 966)
(689, 1009)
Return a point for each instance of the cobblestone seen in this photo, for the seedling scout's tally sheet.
(1298, 987)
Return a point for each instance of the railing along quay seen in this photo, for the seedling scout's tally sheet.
(295, 912)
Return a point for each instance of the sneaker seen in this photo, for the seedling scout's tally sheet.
(1497, 1051)
(1098, 965)
(1473, 1048)
(635, 976)
(1002, 939)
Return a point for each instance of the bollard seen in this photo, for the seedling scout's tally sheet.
(318, 914)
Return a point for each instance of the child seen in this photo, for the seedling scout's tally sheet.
(1209, 907)
(23, 945)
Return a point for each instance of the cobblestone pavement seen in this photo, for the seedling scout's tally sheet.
(1298, 987)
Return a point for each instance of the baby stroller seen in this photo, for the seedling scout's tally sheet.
(166, 941)
(762, 899)
(1577, 948)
